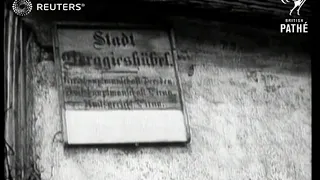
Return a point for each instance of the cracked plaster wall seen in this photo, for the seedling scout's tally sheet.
(249, 108)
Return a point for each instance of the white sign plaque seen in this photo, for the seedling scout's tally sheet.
(119, 84)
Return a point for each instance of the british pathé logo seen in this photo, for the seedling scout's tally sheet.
(297, 4)
(294, 25)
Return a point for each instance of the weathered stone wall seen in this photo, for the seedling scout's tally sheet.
(249, 102)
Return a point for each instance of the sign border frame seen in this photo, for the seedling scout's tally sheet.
(87, 25)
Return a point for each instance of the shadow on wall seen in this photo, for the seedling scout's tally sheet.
(232, 46)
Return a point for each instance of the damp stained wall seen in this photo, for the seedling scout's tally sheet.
(249, 103)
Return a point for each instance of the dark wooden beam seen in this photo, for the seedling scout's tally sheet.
(267, 14)
(275, 9)
(271, 7)
(262, 13)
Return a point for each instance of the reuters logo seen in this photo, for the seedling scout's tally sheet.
(22, 7)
